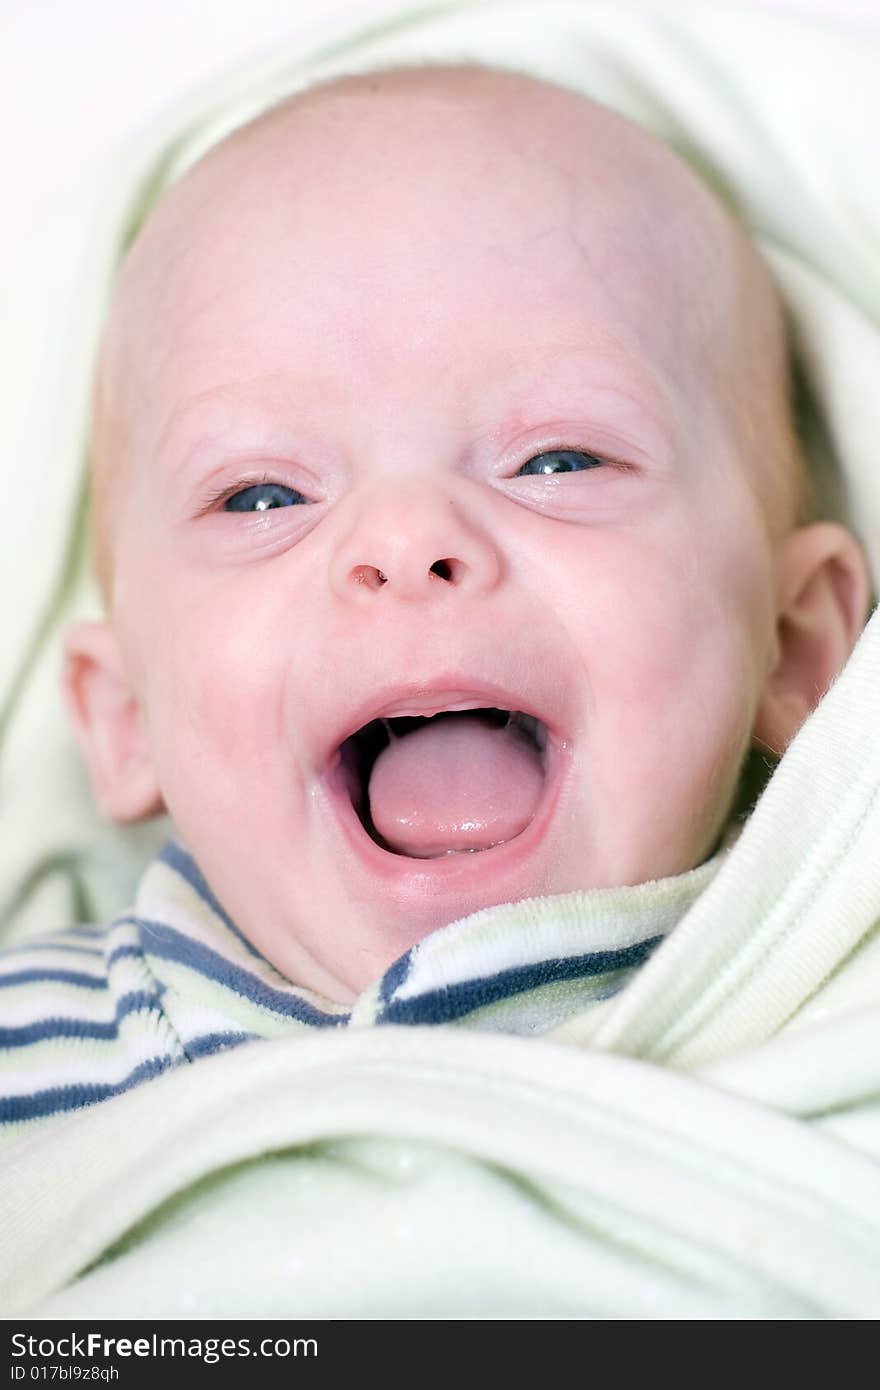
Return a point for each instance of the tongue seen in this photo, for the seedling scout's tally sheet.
(455, 783)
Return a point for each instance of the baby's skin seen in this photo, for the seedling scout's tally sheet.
(434, 391)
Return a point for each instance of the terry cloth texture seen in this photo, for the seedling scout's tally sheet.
(92, 1012)
(706, 1143)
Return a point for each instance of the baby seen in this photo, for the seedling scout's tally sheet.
(544, 567)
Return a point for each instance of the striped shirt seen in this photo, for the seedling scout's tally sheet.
(92, 1011)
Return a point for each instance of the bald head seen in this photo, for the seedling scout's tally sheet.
(373, 186)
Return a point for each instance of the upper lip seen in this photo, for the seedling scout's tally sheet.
(540, 696)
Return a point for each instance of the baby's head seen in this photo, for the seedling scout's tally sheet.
(444, 390)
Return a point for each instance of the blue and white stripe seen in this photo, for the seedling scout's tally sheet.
(89, 1013)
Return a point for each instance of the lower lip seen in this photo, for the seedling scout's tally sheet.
(460, 871)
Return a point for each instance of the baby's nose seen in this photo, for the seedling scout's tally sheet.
(414, 545)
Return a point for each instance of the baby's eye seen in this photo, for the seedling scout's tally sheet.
(260, 497)
(559, 461)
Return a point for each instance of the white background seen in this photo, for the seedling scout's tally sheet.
(76, 76)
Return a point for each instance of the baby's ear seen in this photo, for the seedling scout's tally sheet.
(108, 724)
(823, 597)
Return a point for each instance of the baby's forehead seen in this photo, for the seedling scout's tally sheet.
(428, 165)
(510, 145)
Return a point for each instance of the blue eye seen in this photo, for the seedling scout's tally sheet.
(560, 461)
(261, 497)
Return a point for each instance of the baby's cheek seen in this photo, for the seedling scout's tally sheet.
(669, 648)
(200, 670)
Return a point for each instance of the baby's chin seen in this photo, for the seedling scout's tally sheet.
(359, 907)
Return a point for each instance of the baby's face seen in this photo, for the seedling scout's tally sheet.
(418, 407)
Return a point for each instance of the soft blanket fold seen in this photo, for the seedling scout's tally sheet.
(704, 1144)
(574, 1183)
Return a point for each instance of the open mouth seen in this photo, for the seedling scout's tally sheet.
(454, 782)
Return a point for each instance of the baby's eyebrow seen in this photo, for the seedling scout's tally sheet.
(584, 379)
(185, 416)
(233, 417)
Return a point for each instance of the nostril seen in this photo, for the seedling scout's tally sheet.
(442, 568)
(369, 575)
